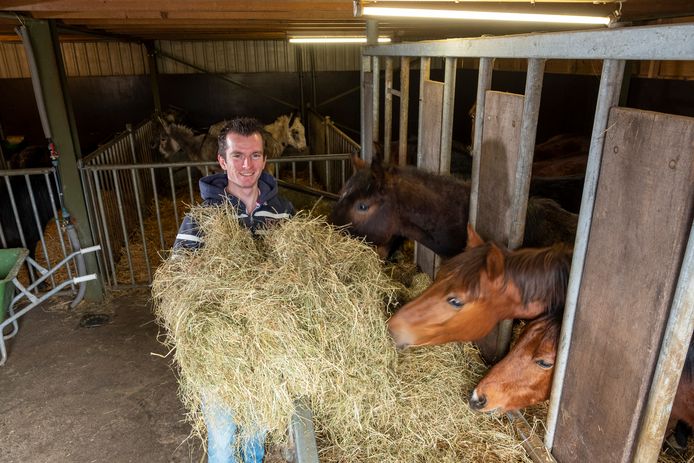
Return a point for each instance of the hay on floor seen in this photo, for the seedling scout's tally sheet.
(301, 312)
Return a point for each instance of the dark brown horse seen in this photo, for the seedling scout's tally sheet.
(387, 203)
(480, 287)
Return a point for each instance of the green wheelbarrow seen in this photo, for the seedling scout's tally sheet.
(13, 295)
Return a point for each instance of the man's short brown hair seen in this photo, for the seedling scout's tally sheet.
(245, 126)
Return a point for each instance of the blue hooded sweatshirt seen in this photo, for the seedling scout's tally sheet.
(271, 208)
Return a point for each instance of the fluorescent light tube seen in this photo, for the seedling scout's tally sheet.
(483, 15)
(335, 40)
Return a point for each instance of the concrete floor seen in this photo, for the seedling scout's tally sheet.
(75, 394)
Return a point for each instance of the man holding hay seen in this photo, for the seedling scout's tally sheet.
(253, 193)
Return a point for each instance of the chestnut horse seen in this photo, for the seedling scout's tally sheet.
(387, 203)
(524, 376)
(480, 287)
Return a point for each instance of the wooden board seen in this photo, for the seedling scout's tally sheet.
(498, 160)
(643, 212)
(503, 114)
(430, 133)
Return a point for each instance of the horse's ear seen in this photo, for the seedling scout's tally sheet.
(357, 162)
(292, 115)
(495, 262)
(377, 152)
(473, 239)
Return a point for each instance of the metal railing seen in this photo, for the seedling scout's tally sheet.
(31, 218)
(135, 205)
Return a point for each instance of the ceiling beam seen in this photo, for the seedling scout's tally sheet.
(175, 5)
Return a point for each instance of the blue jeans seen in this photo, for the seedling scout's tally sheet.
(221, 438)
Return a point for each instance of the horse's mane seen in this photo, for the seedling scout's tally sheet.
(180, 130)
(428, 179)
(430, 190)
(540, 274)
(552, 327)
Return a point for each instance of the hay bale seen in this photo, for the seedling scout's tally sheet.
(301, 313)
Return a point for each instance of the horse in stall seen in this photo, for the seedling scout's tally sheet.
(524, 378)
(387, 204)
(481, 286)
(176, 140)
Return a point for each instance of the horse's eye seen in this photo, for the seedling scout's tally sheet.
(362, 207)
(544, 364)
(455, 302)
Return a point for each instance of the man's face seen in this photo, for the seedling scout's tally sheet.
(243, 161)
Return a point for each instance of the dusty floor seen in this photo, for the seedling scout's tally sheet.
(75, 394)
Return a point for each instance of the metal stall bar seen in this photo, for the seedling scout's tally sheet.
(668, 370)
(519, 199)
(531, 110)
(141, 223)
(366, 136)
(404, 108)
(156, 207)
(388, 109)
(608, 96)
(484, 83)
(372, 38)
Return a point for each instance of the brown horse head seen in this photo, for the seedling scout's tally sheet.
(524, 376)
(385, 203)
(366, 206)
(480, 287)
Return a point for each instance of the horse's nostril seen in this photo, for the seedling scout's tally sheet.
(477, 402)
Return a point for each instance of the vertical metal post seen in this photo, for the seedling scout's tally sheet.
(388, 109)
(48, 76)
(372, 39)
(366, 135)
(303, 434)
(531, 110)
(608, 96)
(314, 92)
(424, 73)
(300, 70)
(447, 116)
(153, 74)
(484, 83)
(673, 351)
(131, 139)
(404, 109)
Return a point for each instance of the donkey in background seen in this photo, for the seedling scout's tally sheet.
(178, 142)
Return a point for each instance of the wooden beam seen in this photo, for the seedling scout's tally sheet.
(197, 14)
(175, 5)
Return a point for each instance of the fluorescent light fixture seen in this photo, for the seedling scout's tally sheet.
(482, 15)
(335, 40)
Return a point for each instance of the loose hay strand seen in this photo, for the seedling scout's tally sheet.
(301, 312)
